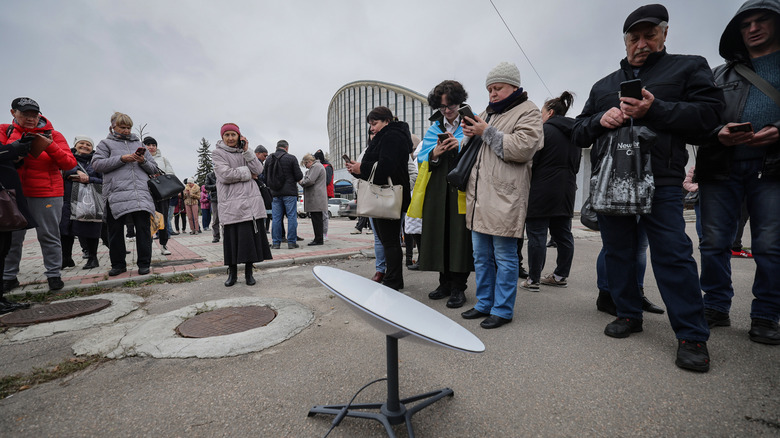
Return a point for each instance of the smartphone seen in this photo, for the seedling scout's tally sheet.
(631, 88)
(140, 151)
(465, 111)
(243, 143)
(742, 127)
(346, 158)
(443, 137)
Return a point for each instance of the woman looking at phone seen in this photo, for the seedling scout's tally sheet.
(389, 150)
(241, 206)
(87, 232)
(126, 165)
(497, 191)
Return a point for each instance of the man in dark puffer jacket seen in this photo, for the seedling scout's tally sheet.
(285, 195)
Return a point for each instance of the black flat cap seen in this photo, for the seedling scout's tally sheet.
(646, 14)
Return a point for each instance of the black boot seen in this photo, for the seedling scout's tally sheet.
(250, 280)
(457, 299)
(232, 274)
(605, 304)
(92, 262)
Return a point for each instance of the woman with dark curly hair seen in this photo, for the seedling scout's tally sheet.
(445, 245)
(389, 149)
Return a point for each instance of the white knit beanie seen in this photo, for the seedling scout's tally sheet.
(83, 138)
(505, 72)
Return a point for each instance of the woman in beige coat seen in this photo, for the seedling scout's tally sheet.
(497, 192)
(192, 204)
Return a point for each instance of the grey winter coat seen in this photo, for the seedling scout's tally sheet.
(239, 198)
(315, 191)
(125, 185)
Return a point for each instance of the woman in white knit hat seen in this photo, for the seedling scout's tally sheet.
(497, 192)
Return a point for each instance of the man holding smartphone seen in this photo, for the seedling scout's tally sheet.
(679, 102)
(742, 162)
(43, 187)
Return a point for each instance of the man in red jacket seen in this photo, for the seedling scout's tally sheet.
(43, 187)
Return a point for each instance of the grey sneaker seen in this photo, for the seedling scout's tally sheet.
(530, 285)
(551, 281)
(164, 250)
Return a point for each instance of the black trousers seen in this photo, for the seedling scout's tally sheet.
(116, 238)
(5, 247)
(87, 243)
(317, 224)
(389, 232)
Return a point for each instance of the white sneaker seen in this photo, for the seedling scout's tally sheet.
(164, 251)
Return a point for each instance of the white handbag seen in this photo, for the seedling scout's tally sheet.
(379, 201)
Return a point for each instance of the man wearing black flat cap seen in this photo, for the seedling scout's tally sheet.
(679, 103)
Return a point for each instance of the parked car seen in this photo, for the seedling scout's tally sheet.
(349, 209)
(301, 212)
(334, 206)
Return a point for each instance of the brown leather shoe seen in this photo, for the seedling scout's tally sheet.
(378, 277)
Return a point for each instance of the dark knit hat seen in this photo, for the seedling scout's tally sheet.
(149, 140)
(654, 13)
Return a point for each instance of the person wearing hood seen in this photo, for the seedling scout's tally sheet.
(679, 104)
(161, 206)
(741, 161)
(389, 149)
(126, 165)
(241, 207)
(497, 191)
(551, 198)
(445, 242)
(43, 188)
(87, 232)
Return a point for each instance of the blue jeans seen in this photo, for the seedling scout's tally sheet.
(379, 251)
(720, 216)
(284, 206)
(560, 231)
(671, 253)
(641, 262)
(205, 214)
(496, 267)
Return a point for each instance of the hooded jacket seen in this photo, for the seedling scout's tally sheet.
(239, 198)
(163, 163)
(686, 108)
(554, 173)
(41, 177)
(125, 185)
(713, 162)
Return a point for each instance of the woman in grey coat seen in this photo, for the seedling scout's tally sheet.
(315, 195)
(126, 165)
(241, 207)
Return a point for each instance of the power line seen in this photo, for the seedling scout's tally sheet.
(521, 49)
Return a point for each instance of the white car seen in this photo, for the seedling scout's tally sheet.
(333, 207)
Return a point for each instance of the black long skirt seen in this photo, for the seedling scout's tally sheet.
(245, 242)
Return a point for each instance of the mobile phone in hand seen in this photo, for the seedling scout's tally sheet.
(140, 151)
(465, 111)
(346, 158)
(741, 127)
(631, 89)
(443, 137)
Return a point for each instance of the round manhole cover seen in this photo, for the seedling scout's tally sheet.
(226, 321)
(53, 312)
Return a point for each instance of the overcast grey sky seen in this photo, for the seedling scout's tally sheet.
(186, 67)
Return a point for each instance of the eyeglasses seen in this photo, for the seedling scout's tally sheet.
(452, 107)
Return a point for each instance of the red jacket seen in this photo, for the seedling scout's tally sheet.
(41, 177)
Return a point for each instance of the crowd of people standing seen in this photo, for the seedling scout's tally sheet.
(519, 181)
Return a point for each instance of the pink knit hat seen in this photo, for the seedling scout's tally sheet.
(229, 127)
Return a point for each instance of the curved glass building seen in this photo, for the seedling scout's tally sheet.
(347, 127)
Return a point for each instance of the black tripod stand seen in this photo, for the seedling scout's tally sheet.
(393, 411)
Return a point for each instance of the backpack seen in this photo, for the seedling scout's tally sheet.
(274, 173)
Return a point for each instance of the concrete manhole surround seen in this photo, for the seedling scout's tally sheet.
(121, 304)
(53, 312)
(155, 336)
